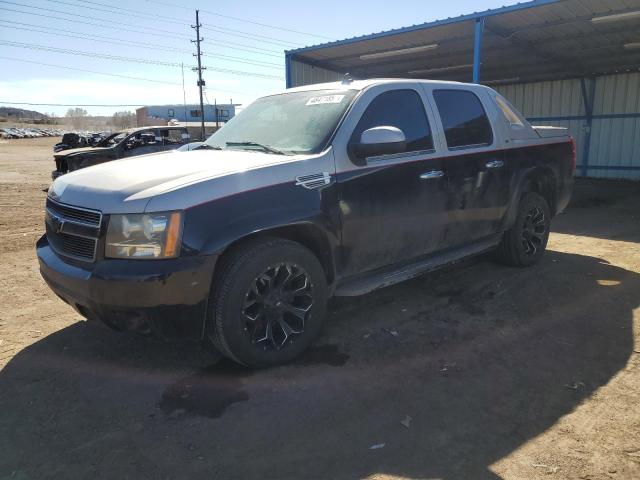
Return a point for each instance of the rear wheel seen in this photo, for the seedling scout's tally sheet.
(268, 302)
(525, 242)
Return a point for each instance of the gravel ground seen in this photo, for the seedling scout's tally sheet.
(478, 371)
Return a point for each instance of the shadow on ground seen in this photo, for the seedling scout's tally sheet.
(611, 206)
(481, 357)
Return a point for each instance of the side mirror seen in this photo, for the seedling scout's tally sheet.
(381, 140)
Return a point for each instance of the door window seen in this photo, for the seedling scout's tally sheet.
(402, 109)
(463, 118)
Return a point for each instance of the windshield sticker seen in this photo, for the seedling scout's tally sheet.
(325, 99)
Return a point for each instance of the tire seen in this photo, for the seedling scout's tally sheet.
(265, 282)
(524, 244)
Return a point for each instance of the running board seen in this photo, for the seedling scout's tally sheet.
(387, 276)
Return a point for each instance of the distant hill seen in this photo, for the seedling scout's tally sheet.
(20, 113)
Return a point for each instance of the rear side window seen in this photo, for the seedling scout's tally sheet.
(402, 109)
(509, 114)
(463, 118)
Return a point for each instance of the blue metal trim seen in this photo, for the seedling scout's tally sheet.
(614, 167)
(287, 70)
(435, 23)
(477, 48)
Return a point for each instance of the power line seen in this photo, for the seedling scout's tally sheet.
(241, 20)
(104, 56)
(128, 77)
(101, 25)
(69, 104)
(88, 71)
(228, 31)
(115, 41)
(222, 43)
(92, 18)
(130, 59)
(146, 16)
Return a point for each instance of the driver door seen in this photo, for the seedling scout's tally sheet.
(391, 205)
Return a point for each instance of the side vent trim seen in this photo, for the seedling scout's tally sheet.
(314, 180)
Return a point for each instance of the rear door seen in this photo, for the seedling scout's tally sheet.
(474, 166)
(390, 205)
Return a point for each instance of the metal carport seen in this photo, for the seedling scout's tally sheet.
(572, 63)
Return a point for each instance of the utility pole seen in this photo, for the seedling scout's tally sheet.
(199, 69)
(215, 102)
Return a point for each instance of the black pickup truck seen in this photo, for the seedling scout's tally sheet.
(323, 190)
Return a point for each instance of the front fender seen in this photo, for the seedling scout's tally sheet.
(210, 228)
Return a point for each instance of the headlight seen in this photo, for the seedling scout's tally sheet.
(149, 235)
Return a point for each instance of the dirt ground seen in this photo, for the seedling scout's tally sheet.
(478, 371)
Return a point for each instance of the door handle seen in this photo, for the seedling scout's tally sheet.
(432, 174)
(494, 164)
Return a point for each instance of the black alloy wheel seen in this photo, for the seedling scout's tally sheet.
(276, 306)
(534, 231)
(268, 302)
(525, 242)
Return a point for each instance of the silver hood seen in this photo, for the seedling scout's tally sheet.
(176, 180)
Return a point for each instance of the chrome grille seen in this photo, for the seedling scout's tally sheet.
(73, 231)
(69, 213)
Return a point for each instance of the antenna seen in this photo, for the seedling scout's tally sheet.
(347, 78)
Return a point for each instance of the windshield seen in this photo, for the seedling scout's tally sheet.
(112, 140)
(297, 122)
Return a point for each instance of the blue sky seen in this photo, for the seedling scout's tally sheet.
(152, 31)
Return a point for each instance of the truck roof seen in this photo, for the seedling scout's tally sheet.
(362, 84)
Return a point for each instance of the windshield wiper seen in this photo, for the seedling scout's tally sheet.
(205, 146)
(266, 148)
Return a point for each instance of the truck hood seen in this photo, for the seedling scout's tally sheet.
(127, 185)
(73, 151)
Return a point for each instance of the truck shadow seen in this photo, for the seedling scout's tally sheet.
(481, 358)
(607, 204)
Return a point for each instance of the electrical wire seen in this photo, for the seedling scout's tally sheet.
(115, 41)
(69, 104)
(88, 71)
(131, 59)
(128, 77)
(227, 31)
(238, 19)
(222, 43)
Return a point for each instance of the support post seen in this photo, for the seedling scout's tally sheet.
(477, 49)
(588, 97)
(287, 69)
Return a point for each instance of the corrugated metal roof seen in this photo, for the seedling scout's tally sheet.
(542, 39)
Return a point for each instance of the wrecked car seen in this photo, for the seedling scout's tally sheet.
(124, 144)
(69, 141)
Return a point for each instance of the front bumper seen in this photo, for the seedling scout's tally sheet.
(168, 297)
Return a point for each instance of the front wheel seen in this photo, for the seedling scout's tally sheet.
(268, 302)
(524, 244)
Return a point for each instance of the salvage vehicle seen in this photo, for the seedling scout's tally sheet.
(325, 190)
(124, 144)
(70, 141)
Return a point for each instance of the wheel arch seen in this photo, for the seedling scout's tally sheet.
(541, 180)
(306, 233)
